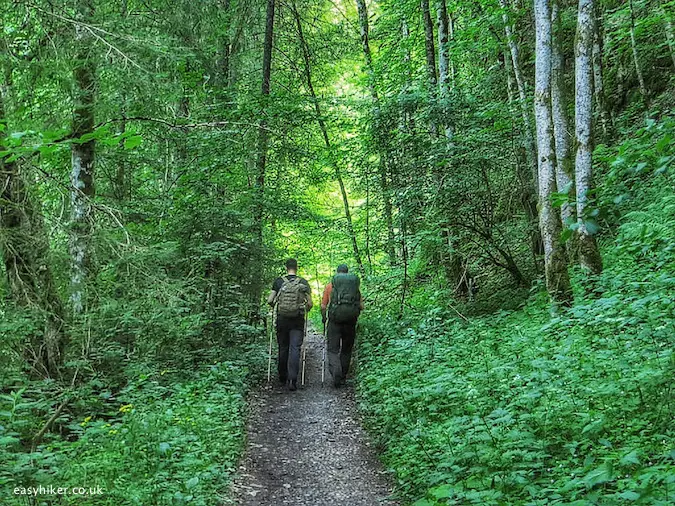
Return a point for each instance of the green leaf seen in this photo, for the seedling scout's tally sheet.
(599, 475)
(192, 483)
(592, 226)
(132, 142)
(630, 458)
(629, 495)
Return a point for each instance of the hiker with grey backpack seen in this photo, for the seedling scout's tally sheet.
(292, 299)
(341, 306)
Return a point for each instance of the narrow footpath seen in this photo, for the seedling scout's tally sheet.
(306, 448)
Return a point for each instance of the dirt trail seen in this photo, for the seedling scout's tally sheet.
(306, 448)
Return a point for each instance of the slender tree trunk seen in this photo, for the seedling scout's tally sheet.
(24, 246)
(368, 256)
(326, 139)
(444, 79)
(529, 182)
(451, 27)
(598, 78)
(555, 258)
(670, 36)
(365, 45)
(589, 255)
(528, 141)
(636, 59)
(430, 52)
(226, 47)
(561, 127)
(384, 186)
(120, 186)
(388, 211)
(261, 160)
(82, 155)
(429, 48)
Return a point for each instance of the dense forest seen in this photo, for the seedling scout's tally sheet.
(499, 173)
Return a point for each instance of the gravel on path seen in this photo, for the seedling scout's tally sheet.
(306, 448)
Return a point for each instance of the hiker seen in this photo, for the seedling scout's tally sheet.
(292, 297)
(340, 306)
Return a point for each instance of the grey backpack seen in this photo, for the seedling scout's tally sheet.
(291, 298)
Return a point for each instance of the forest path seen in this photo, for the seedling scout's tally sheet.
(306, 448)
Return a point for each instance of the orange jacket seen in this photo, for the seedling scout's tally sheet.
(325, 300)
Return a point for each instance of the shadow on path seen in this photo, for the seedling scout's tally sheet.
(306, 448)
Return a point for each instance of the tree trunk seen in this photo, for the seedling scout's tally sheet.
(444, 62)
(598, 82)
(226, 48)
(528, 141)
(529, 182)
(430, 52)
(365, 45)
(429, 48)
(636, 60)
(261, 160)
(25, 252)
(82, 155)
(589, 255)
(451, 27)
(564, 176)
(670, 36)
(384, 187)
(555, 258)
(326, 139)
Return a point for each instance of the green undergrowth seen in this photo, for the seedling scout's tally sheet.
(521, 408)
(167, 438)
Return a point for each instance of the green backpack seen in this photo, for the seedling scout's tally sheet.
(291, 298)
(345, 299)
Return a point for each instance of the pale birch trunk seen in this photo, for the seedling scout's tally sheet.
(82, 157)
(561, 127)
(589, 255)
(326, 139)
(384, 186)
(451, 27)
(530, 147)
(636, 59)
(528, 182)
(555, 258)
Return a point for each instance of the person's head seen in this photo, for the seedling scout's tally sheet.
(343, 269)
(291, 265)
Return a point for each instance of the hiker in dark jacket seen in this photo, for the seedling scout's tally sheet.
(292, 297)
(341, 305)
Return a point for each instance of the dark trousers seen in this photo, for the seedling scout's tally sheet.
(290, 333)
(341, 337)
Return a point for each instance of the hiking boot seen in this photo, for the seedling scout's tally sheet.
(337, 381)
(292, 385)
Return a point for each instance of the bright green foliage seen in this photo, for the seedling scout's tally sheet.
(518, 408)
(162, 439)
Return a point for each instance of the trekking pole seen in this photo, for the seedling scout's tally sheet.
(323, 359)
(269, 361)
(304, 351)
